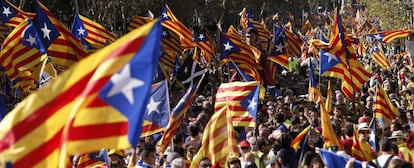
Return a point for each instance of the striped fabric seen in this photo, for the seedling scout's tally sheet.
(328, 132)
(69, 108)
(384, 110)
(244, 18)
(389, 35)
(66, 50)
(279, 52)
(235, 95)
(300, 138)
(219, 140)
(4, 32)
(341, 61)
(293, 43)
(244, 55)
(97, 36)
(138, 21)
(171, 22)
(158, 110)
(313, 91)
(204, 41)
(378, 55)
(328, 100)
(15, 15)
(177, 115)
(171, 47)
(360, 150)
(264, 34)
(16, 57)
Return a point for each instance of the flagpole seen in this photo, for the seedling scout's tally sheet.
(303, 147)
(76, 6)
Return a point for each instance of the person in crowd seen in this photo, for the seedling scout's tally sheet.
(205, 163)
(386, 153)
(398, 138)
(364, 151)
(234, 163)
(148, 157)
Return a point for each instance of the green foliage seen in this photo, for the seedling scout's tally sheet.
(393, 14)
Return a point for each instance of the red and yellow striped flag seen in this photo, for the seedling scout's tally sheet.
(177, 115)
(293, 43)
(219, 140)
(328, 132)
(66, 49)
(15, 15)
(98, 35)
(171, 22)
(341, 61)
(244, 56)
(389, 35)
(328, 101)
(360, 151)
(300, 138)
(15, 57)
(384, 110)
(33, 132)
(378, 55)
(242, 99)
(138, 21)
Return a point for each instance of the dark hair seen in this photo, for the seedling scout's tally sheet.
(233, 160)
(398, 163)
(316, 159)
(280, 118)
(349, 130)
(386, 145)
(260, 142)
(147, 149)
(178, 138)
(285, 141)
(194, 129)
(252, 31)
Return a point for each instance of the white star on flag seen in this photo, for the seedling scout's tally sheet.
(185, 70)
(153, 106)
(45, 31)
(31, 40)
(124, 83)
(201, 36)
(164, 33)
(252, 103)
(227, 46)
(81, 31)
(377, 36)
(6, 11)
(279, 48)
(330, 57)
(164, 15)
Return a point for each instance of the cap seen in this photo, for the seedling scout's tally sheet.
(250, 165)
(363, 126)
(363, 120)
(244, 143)
(397, 134)
(171, 156)
(178, 162)
(115, 152)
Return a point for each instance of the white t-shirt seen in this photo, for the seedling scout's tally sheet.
(383, 158)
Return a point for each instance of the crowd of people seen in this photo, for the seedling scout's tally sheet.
(285, 112)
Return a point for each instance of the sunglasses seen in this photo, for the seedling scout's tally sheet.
(206, 165)
(245, 148)
(364, 132)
